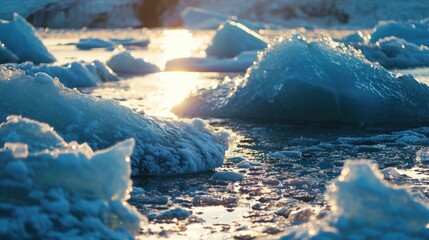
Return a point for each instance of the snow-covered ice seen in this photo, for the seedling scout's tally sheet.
(365, 206)
(319, 80)
(239, 63)
(162, 147)
(19, 37)
(75, 74)
(125, 62)
(53, 189)
(233, 38)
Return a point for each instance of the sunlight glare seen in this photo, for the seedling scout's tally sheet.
(178, 43)
(175, 87)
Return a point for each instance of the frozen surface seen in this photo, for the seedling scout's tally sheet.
(75, 74)
(54, 189)
(124, 62)
(162, 147)
(20, 38)
(233, 38)
(319, 80)
(365, 206)
(239, 63)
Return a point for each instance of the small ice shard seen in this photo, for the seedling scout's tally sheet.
(20, 38)
(227, 176)
(124, 62)
(232, 38)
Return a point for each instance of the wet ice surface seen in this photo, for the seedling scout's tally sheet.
(285, 167)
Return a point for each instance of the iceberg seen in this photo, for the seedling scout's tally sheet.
(240, 63)
(365, 206)
(320, 80)
(20, 38)
(75, 74)
(53, 189)
(124, 62)
(162, 147)
(233, 38)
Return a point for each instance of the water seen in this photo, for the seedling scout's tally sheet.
(260, 205)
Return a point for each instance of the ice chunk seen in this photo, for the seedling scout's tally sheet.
(6, 56)
(227, 176)
(238, 64)
(62, 190)
(394, 52)
(91, 43)
(20, 38)
(124, 62)
(75, 74)
(233, 38)
(364, 206)
(320, 80)
(162, 147)
(131, 42)
(412, 31)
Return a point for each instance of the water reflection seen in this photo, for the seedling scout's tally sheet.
(178, 43)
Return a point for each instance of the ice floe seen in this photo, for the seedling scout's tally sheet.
(19, 37)
(75, 74)
(91, 43)
(233, 38)
(124, 62)
(239, 63)
(53, 189)
(319, 80)
(365, 206)
(162, 147)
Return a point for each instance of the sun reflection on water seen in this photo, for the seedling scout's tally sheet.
(178, 43)
(174, 87)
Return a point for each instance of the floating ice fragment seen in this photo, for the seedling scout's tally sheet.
(20, 38)
(75, 74)
(227, 176)
(233, 38)
(124, 62)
